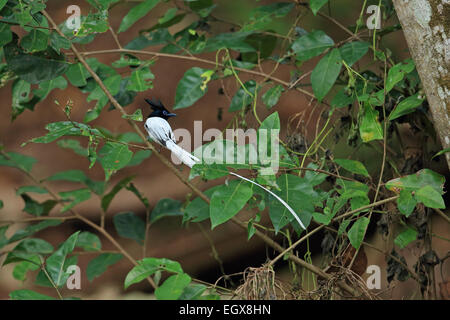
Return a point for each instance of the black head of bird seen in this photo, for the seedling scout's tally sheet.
(159, 110)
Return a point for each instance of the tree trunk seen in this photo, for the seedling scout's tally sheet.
(426, 25)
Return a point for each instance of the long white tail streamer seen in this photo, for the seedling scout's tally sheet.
(273, 194)
(187, 158)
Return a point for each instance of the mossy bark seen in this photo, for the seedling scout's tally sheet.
(426, 25)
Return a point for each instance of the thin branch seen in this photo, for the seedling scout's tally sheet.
(196, 59)
(442, 214)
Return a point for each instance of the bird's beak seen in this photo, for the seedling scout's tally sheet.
(171, 115)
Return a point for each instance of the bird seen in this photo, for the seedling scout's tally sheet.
(160, 131)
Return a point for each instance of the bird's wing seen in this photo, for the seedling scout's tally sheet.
(159, 130)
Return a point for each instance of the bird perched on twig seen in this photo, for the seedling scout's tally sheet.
(160, 131)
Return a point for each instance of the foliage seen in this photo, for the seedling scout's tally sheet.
(326, 184)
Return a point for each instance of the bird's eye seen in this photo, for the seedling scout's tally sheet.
(165, 112)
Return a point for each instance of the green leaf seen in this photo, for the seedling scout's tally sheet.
(398, 72)
(31, 229)
(106, 199)
(351, 52)
(190, 88)
(418, 180)
(325, 73)
(77, 74)
(311, 45)
(148, 266)
(17, 160)
(315, 5)
(173, 287)
(21, 98)
(227, 201)
(27, 249)
(202, 7)
(131, 187)
(140, 80)
(36, 67)
(156, 37)
(192, 292)
(88, 241)
(242, 99)
(5, 34)
(21, 269)
(74, 197)
(405, 237)
(406, 202)
(34, 41)
(45, 87)
(58, 42)
(25, 294)
(208, 171)
(342, 99)
(233, 41)
(197, 209)
(271, 97)
(357, 232)
(3, 240)
(262, 17)
(166, 208)
(113, 85)
(370, 127)
(298, 194)
(99, 264)
(73, 145)
(407, 106)
(79, 176)
(130, 226)
(2, 3)
(35, 208)
(137, 13)
(170, 13)
(114, 156)
(1, 204)
(430, 197)
(66, 128)
(353, 166)
(55, 264)
(441, 152)
(136, 116)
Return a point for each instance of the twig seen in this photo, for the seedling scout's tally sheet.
(442, 214)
